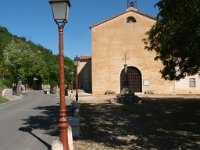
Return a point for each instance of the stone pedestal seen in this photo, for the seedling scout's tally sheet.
(74, 122)
(19, 86)
(57, 145)
(125, 96)
(76, 109)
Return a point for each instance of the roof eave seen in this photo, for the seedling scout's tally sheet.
(146, 15)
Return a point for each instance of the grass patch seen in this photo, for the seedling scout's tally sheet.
(3, 100)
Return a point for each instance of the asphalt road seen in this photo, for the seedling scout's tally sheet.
(30, 123)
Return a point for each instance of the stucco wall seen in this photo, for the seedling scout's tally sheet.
(84, 69)
(113, 39)
(183, 86)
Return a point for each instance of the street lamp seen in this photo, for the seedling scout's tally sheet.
(76, 63)
(60, 10)
(72, 73)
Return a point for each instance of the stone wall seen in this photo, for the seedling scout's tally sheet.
(7, 93)
(114, 38)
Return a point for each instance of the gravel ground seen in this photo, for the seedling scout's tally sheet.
(159, 122)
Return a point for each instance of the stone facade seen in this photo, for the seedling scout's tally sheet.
(118, 41)
(84, 73)
(122, 36)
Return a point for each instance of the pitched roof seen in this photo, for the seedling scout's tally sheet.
(85, 57)
(130, 10)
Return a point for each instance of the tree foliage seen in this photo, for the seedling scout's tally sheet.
(3, 71)
(176, 38)
(5, 37)
(24, 60)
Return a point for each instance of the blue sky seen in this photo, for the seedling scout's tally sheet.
(33, 20)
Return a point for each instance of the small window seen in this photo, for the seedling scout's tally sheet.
(192, 82)
(130, 20)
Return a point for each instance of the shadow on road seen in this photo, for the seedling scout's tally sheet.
(29, 130)
(47, 121)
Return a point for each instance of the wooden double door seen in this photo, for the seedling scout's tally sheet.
(134, 79)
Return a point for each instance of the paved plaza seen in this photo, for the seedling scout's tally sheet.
(159, 122)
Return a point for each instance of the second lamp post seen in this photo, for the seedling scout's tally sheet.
(76, 63)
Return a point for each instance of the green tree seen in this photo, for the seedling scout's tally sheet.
(51, 74)
(176, 38)
(22, 62)
(3, 71)
(69, 66)
(5, 37)
(13, 60)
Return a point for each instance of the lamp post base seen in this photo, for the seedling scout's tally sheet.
(76, 97)
(63, 126)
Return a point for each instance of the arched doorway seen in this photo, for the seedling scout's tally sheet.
(134, 79)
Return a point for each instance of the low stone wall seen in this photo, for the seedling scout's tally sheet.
(7, 93)
(46, 86)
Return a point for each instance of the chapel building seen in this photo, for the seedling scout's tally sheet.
(117, 47)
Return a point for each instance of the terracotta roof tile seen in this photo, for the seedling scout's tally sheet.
(84, 57)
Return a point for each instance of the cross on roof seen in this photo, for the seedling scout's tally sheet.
(125, 58)
(131, 3)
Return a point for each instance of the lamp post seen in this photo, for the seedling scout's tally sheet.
(72, 73)
(76, 63)
(60, 10)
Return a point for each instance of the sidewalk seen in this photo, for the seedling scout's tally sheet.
(168, 95)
